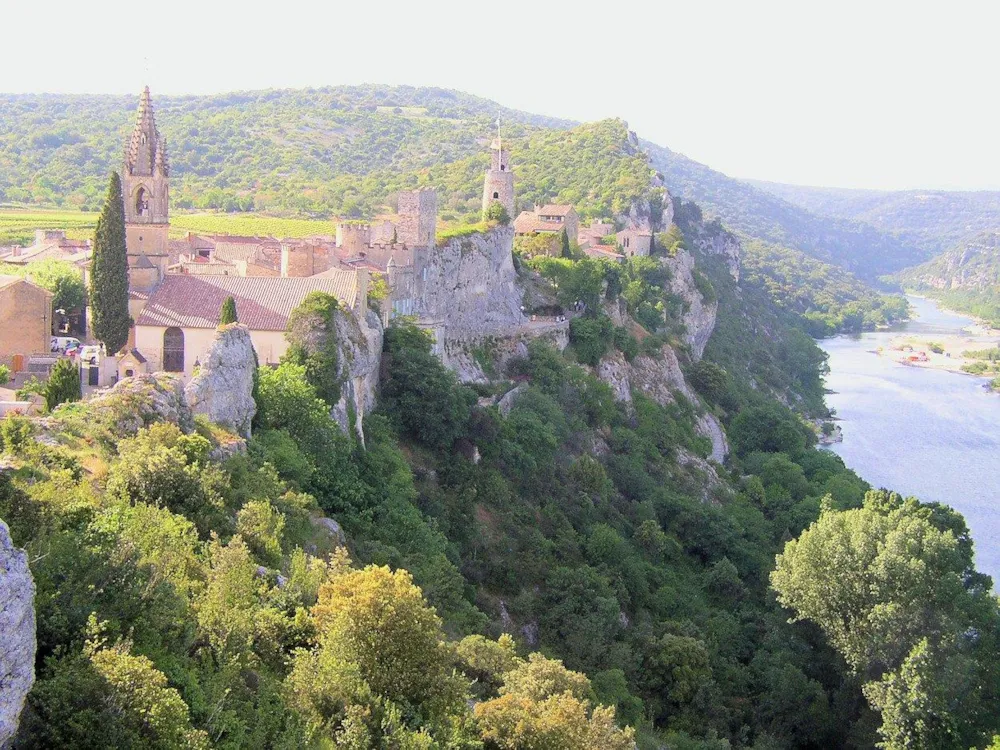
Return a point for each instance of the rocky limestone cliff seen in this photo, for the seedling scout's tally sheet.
(17, 634)
(973, 265)
(471, 299)
(359, 343)
(699, 315)
(468, 286)
(222, 389)
(659, 378)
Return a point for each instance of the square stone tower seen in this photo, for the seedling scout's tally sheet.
(417, 211)
(145, 187)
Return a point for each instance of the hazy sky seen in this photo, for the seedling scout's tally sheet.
(868, 94)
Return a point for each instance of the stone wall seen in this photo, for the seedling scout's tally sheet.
(17, 633)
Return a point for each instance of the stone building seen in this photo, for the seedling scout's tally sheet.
(26, 315)
(550, 218)
(635, 242)
(498, 185)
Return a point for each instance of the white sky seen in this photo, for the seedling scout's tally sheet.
(880, 94)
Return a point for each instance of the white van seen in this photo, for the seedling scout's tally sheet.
(62, 343)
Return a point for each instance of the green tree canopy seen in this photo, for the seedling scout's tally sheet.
(227, 314)
(109, 272)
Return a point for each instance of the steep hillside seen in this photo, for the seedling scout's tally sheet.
(931, 219)
(965, 278)
(857, 247)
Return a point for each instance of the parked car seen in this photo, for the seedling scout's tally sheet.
(62, 343)
(90, 354)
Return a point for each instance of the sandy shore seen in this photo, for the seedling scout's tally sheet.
(915, 350)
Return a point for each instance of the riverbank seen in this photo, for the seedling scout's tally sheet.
(943, 350)
(919, 429)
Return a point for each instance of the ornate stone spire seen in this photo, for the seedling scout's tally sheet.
(145, 151)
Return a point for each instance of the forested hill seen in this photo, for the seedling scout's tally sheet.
(290, 151)
(856, 246)
(933, 219)
(966, 277)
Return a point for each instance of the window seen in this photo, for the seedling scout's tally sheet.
(173, 350)
(496, 196)
(142, 202)
(503, 167)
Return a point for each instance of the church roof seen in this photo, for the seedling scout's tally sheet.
(263, 303)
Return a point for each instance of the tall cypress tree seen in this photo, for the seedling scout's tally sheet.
(227, 314)
(109, 272)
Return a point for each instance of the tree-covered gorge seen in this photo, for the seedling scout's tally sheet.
(532, 562)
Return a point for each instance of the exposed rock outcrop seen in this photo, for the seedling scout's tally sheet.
(710, 427)
(699, 316)
(137, 402)
(17, 634)
(359, 343)
(223, 388)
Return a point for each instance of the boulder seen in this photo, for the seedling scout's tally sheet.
(223, 388)
(140, 401)
(17, 626)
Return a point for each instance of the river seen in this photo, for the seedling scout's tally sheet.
(928, 433)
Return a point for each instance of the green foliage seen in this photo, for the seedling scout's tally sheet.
(828, 299)
(419, 393)
(110, 318)
(312, 343)
(859, 248)
(4, 374)
(63, 384)
(227, 314)
(591, 337)
(894, 590)
(497, 214)
(964, 278)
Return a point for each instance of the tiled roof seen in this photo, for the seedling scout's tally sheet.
(8, 280)
(233, 251)
(553, 209)
(263, 303)
(603, 251)
(527, 222)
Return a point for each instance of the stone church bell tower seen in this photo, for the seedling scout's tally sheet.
(145, 188)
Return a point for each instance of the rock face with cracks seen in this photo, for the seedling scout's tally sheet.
(17, 634)
(223, 388)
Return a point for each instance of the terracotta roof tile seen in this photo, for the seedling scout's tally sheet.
(527, 222)
(554, 209)
(263, 303)
(603, 251)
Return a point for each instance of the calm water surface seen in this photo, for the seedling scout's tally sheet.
(921, 432)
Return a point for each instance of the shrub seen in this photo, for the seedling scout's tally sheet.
(4, 374)
(591, 337)
(498, 212)
(63, 385)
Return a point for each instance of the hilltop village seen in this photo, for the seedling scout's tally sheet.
(177, 284)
